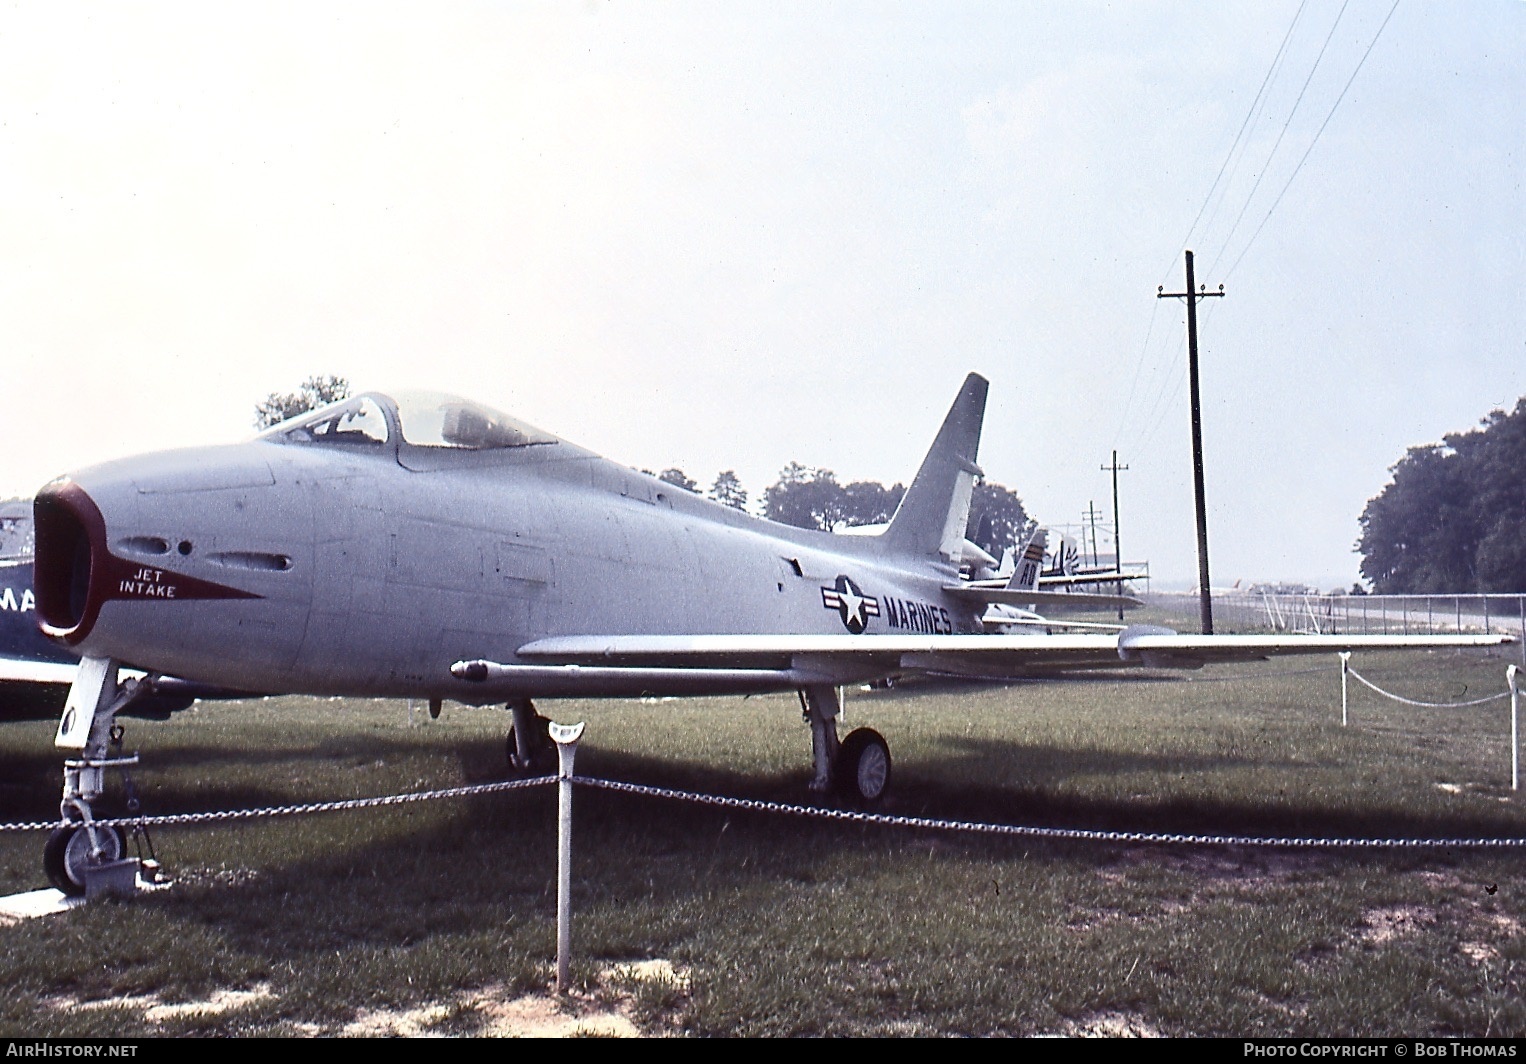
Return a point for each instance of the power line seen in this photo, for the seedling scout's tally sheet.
(1154, 396)
(1250, 114)
(1315, 141)
(1171, 383)
(1128, 403)
(1283, 132)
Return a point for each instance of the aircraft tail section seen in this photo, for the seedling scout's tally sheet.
(932, 516)
(1025, 575)
(1066, 558)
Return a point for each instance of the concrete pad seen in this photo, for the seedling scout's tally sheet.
(38, 903)
(50, 902)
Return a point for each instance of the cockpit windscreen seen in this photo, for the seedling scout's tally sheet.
(358, 420)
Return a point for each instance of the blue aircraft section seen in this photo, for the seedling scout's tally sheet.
(20, 636)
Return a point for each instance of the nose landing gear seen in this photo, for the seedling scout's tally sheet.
(72, 852)
(89, 726)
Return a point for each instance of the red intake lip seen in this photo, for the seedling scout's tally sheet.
(68, 572)
(75, 573)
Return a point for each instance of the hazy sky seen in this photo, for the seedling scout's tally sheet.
(731, 236)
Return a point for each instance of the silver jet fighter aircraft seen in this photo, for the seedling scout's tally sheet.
(428, 547)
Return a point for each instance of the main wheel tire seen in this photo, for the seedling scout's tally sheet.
(66, 856)
(542, 752)
(861, 772)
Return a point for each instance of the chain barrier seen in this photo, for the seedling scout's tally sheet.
(1427, 705)
(761, 806)
(1080, 834)
(180, 819)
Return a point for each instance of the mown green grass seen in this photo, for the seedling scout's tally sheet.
(795, 926)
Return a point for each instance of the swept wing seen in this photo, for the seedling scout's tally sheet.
(762, 662)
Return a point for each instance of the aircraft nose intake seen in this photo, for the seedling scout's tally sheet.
(69, 568)
(75, 573)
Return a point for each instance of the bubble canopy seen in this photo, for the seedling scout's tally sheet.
(423, 419)
(434, 419)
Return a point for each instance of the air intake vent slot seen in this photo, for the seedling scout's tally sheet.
(144, 545)
(258, 561)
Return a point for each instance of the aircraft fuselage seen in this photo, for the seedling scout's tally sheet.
(363, 567)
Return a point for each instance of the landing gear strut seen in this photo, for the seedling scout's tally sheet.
(88, 726)
(857, 768)
(529, 747)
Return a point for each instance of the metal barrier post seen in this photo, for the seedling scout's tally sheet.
(566, 738)
(1515, 746)
(1345, 656)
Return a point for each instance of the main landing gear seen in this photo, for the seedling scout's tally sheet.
(89, 726)
(856, 769)
(529, 748)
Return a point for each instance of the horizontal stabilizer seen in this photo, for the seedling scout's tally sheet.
(1099, 579)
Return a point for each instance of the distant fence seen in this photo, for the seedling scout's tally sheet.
(1355, 614)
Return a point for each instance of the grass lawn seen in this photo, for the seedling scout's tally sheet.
(695, 919)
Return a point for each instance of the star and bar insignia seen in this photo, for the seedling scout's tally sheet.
(852, 605)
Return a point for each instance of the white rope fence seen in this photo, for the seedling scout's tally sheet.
(1511, 692)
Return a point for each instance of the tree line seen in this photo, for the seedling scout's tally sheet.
(1453, 520)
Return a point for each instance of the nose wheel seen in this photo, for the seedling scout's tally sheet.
(72, 851)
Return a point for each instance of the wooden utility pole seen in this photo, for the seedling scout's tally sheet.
(1192, 295)
(1117, 523)
(1091, 515)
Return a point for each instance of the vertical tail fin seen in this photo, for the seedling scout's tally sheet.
(1065, 559)
(1008, 563)
(935, 509)
(1025, 577)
